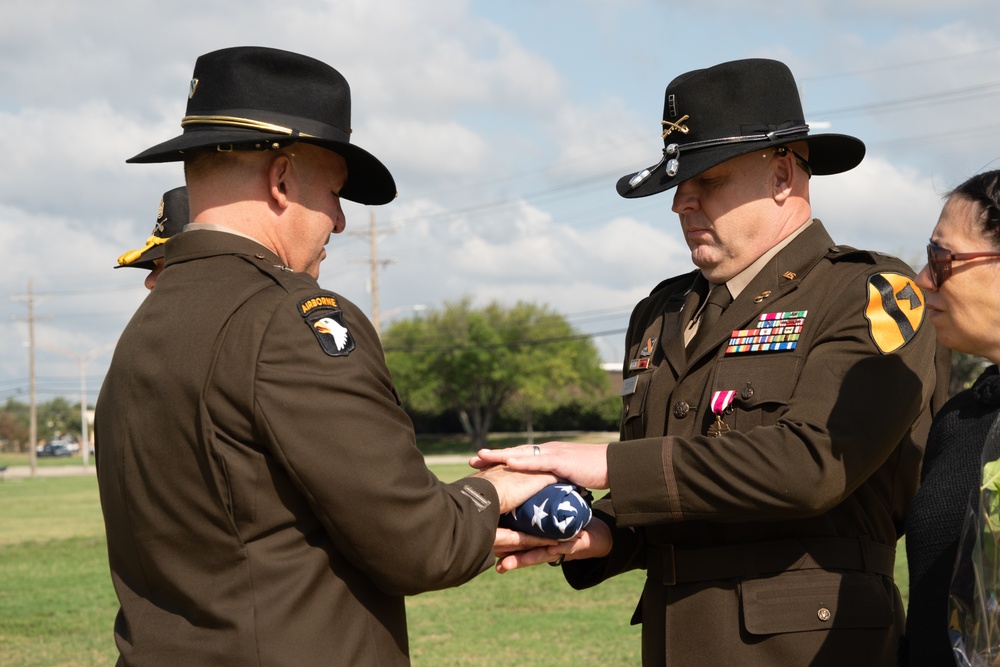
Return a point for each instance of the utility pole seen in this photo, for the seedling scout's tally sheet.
(82, 360)
(32, 410)
(373, 256)
(373, 266)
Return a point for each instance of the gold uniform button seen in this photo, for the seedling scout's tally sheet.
(681, 409)
(823, 614)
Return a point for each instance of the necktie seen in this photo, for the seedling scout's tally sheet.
(717, 301)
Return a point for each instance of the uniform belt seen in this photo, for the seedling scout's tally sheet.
(671, 565)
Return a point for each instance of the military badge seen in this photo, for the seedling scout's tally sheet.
(895, 310)
(648, 347)
(720, 401)
(774, 332)
(326, 320)
(638, 364)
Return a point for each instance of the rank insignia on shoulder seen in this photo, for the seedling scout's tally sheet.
(895, 310)
(775, 332)
(326, 320)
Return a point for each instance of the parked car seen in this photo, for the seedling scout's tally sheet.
(54, 449)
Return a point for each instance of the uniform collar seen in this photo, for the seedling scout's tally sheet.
(200, 242)
(740, 282)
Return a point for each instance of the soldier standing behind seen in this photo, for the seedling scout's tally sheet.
(171, 217)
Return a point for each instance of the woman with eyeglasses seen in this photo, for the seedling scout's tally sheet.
(961, 285)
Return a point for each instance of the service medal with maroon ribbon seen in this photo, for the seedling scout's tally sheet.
(720, 401)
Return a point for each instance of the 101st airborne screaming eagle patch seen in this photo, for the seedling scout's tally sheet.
(895, 310)
(326, 320)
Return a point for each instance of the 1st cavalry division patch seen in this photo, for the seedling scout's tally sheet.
(326, 320)
(895, 310)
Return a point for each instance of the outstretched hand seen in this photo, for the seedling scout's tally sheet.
(593, 542)
(582, 464)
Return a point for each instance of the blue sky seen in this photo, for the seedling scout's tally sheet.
(506, 125)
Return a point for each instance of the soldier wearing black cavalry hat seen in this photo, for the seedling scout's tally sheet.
(263, 495)
(171, 217)
(776, 403)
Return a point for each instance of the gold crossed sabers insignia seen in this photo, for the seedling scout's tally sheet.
(669, 127)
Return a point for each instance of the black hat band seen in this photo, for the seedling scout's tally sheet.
(673, 163)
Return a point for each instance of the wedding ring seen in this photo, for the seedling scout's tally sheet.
(536, 450)
(558, 561)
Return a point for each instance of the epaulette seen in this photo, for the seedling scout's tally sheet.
(848, 253)
(279, 273)
(670, 281)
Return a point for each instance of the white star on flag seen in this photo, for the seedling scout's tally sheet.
(562, 525)
(540, 514)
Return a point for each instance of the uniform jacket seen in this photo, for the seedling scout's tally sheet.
(772, 544)
(264, 500)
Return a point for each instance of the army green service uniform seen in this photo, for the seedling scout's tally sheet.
(264, 499)
(773, 543)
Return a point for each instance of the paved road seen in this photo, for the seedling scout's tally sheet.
(13, 472)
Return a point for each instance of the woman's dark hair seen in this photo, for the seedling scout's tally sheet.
(983, 190)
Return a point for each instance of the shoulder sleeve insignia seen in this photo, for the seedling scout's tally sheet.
(326, 320)
(895, 310)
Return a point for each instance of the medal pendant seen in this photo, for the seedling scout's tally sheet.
(717, 428)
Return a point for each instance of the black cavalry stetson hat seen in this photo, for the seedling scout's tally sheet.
(715, 114)
(171, 217)
(251, 97)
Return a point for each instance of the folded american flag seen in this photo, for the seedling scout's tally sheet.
(559, 512)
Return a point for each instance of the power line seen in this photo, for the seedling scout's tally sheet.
(937, 60)
(953, 95)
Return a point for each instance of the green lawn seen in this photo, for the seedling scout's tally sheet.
(57, 606)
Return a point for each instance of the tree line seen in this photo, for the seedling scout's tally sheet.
(456, 369)
(474, 370)
(56, 418)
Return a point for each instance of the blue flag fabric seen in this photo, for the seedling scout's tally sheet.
(559, 512)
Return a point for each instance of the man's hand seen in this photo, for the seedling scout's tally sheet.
(514, 487)
(582, 464)
(509, 541)
(594, 542)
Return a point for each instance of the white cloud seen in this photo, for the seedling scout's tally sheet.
(505, 126)
(879, 206)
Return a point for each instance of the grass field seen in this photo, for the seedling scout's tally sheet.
(57, 606)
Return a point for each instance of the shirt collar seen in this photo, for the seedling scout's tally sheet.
(739, 282)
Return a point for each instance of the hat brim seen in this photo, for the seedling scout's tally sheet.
(828, 154)
(368, 180)
(146, 260)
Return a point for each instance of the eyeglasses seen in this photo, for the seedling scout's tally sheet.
(782, 151)
(939, 261)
